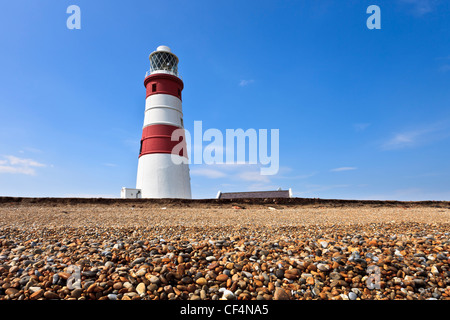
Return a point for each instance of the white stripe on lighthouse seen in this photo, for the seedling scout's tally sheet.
(163, 109)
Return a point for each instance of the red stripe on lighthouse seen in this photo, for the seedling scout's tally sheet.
(162, 83)
(157, 138)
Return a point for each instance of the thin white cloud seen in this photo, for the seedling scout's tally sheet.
(33, 150)
(421, 7)
(23, 162)
(236, 172)
(401, 140)
(244, 83)
(17, 170)
(361, 126)
(110, 165)
(208, 173)
(315, 190)
(229, 168)
(343, 169)
(405, 139)
(444, 68)
(411, 194)
(90, 195)
(253, 176)
(419, 136)
(296, 177)
(16, 165)
(262, 187)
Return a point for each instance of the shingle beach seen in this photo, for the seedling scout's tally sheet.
(112, 249)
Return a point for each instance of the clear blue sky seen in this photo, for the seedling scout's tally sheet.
(362, 114)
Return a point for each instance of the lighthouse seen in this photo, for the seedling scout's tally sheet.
(163, 171)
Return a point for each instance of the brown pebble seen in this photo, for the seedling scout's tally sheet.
(37, 294)
(117, 286)
(76, 293)
(91, 288)
(280, 294)
(11, 291)
(213, 265)
(201, 281)
(181, 269)
(64, 275)
(222, 277)
(51, 295)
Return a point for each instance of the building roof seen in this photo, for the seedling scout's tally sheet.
(255, 194)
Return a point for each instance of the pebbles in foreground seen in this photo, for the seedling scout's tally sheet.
(401, 261)
(218, 254)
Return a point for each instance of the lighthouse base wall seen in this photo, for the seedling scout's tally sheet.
(159, 177)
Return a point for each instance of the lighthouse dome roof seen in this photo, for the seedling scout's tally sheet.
(163, 48)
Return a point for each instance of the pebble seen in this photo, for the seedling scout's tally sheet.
(201, 281)
(76, 293)
(141, 272)
(155, 279)
(324, 244)
(140, 289)
(222, 277)
(227, 294)
(11, 291)
(323, 267)
(51, 295)
(24, 280)
(138, 260)
(280, 294)
(434, 270)
(279, 273)
(34, 289)
(36, 295)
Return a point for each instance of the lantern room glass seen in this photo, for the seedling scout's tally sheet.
(164, 62)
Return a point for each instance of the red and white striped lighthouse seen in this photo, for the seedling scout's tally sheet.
(158, 175)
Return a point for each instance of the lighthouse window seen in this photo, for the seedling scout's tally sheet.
(179, 92)
(153, 87)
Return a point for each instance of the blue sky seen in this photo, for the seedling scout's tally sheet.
(362, 114)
